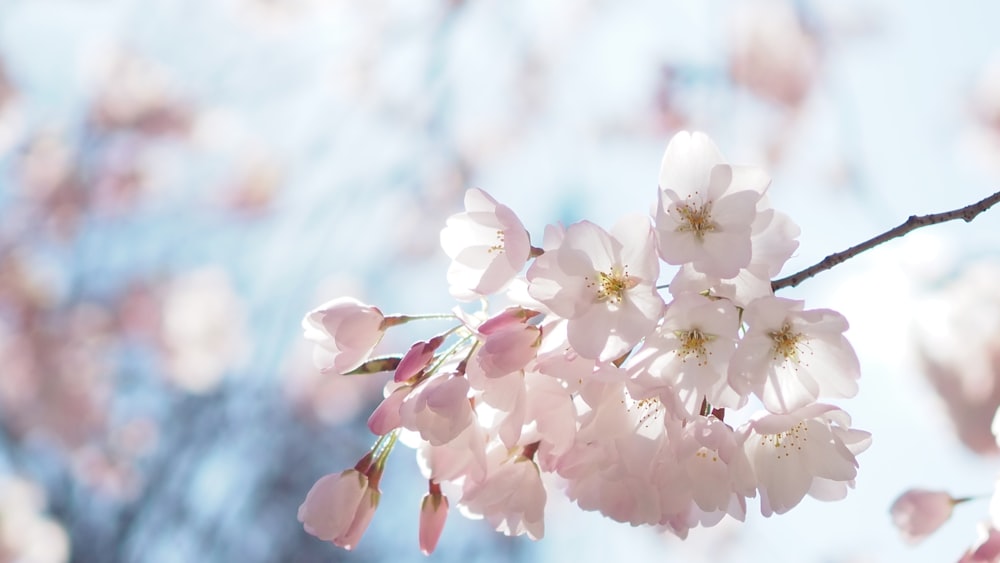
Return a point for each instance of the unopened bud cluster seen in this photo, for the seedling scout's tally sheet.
(606, 371)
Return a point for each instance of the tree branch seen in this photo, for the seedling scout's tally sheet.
(967, 213)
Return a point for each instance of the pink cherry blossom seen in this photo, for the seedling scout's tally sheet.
(918, 512)
(339, 507)
(508, 350)
(790, 357)
(604, 284)
(417, 358)
(345, 332)
(706, 207)
(462, 457)
(438, 409)
(487, 244)
(512, 498)
(433, 513)
(507, 317)
(713, 467)
(810, 451)
(987, 549)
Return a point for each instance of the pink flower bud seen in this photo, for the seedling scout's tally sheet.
(339, 508)
(362, 517)
(505, 318)
(330, 505)
(917, 513)
(417, 358)
(433, 512)
(345, 332)
(508, 350)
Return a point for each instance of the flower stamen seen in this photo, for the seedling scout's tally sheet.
(499, 246)
(693, 344)
(612, 285)
(788, 442)
(696, 219)
(786, 343)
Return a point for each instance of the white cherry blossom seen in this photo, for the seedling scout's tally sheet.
(809, 451)
(603, 283)
(688, 355)
(512, 497)
(706, 207)
(487, 244)
(789, 357)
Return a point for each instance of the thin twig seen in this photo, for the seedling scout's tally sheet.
(968, 213)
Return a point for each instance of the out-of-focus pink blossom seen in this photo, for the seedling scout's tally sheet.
(134, 93)
(345, 332)
(987, 549)
(26, 533)
(918, 512)
(203, 330)
(958, 346)
(772, 55)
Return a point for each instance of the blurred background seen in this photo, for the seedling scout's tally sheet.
(181, 180)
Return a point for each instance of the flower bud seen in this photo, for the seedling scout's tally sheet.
(433, 513)
(918, 513)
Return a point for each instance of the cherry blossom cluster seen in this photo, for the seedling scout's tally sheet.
(613, 372)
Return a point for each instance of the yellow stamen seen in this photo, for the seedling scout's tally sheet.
(612, 285)
(696, 219)
(499, 246)
(693, 344)
(788, 442)
(786, 343)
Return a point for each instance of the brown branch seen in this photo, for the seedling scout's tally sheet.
(967, 213)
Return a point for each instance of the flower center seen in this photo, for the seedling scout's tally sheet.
(786, 343)
(612, 285)
(693, 344)
(498, 247)
(788, 442)
(648, 409)
(696, 219)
